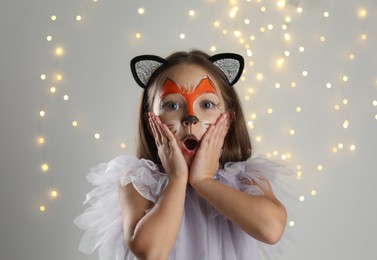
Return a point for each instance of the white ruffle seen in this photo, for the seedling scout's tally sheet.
(102, 220)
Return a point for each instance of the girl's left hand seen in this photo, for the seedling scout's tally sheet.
(206, 161)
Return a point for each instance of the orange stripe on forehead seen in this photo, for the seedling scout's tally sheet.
(190, 94)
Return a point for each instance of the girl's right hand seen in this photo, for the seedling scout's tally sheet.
(168, 150)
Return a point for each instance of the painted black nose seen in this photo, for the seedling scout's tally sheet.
(190, 120)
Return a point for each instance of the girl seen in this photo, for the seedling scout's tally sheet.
(192, 192)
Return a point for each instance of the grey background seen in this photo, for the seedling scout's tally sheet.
(338, 223)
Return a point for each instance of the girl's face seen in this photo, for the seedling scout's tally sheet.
(188, 102)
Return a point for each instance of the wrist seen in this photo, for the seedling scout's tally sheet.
(201, 183)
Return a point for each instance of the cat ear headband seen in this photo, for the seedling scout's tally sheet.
(143, 67)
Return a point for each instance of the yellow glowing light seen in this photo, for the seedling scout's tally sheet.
(49, 38)
(326, 14)
(95, 1)
(374, 103)
(213, 48)
(42, 113)
(52, 89)
(337, 107)
(182, 36)
(275, 153)
(328, 85)
(301, 198)
(97, 136)
(42, 208)
(299, 175)
(299, 10)
(287, 53)
(258, 139)
(65, 97)
(301, 49)
(351, 56)
(78, 18)
(313, 192)
(284, 157)
(287, 37)
(280, 62)
(284, 27)
(251, 90)
(269, 155)
(345, 78)
(216, 23)
(291, 223)
(364, 37)
(270, 111)
(375, 117)
(346, 124)
(340, 145)
(138, 35)
(75, 123)
(262, 29)
(319, 167)
(41, 140)
(237, 34)
(270, 26)
(293, 84)
(141, 10)
(305, 73)
(59, 77)
(250, 124)
(259, 76)
(277, 85)
(288, 19)
(298, 109)
(43, 77)
(263, 9)
(345, 101)
(335, 149)
(233, 12)
(54, 193)
(298, 167)
(191, 12)
(247, 98)
(352, 147)
(59, 51)
(253, 116)
(281, 3)
(322, 38)
(292, 132)
(249, 53)
(362, 13)
(122, 145)
(247, 21)
(53, 18)
(252, 37)
(44, 167)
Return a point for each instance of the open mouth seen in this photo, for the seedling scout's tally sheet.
(191, 142)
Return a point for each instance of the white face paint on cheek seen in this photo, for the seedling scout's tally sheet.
(174, 126)
(204, 125)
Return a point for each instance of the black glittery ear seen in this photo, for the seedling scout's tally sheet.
(230, 64)
(143, 67)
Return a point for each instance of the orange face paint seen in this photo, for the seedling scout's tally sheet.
(190, 94)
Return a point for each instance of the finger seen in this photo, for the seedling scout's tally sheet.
(155, 133)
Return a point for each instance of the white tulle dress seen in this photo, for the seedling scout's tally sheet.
(204, 233)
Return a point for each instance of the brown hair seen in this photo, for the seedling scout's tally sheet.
(237, 145)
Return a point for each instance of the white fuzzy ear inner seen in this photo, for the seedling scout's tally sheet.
(145, 68)
(230, 67)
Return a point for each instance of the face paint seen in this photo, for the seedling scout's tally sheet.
(190, 94)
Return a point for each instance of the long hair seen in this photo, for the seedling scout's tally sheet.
(237, 145)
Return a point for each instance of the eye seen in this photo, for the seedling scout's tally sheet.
(207, 104)
(172, 105)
